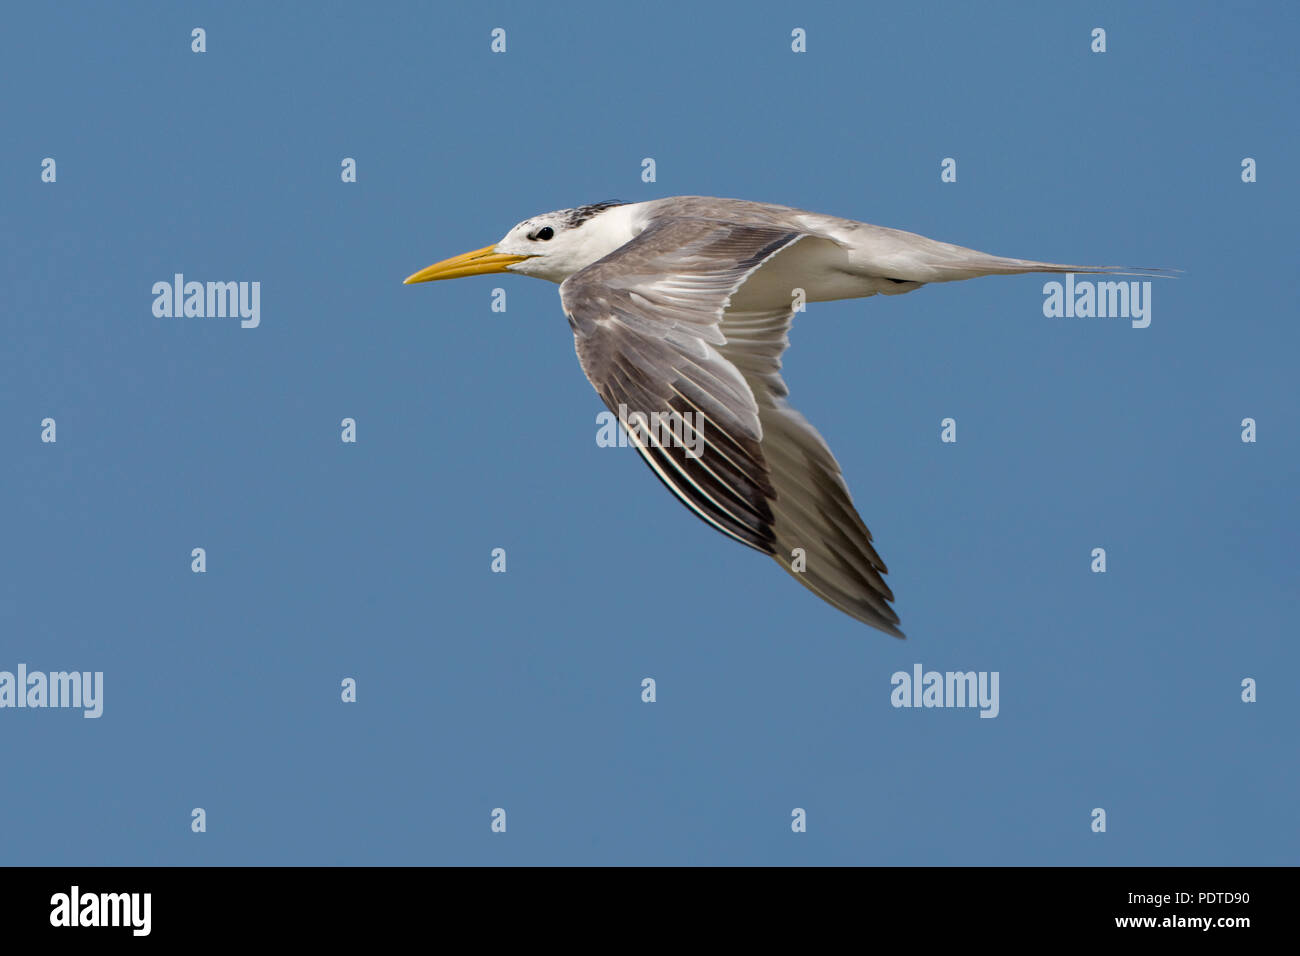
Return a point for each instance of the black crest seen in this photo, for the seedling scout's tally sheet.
(580, 215)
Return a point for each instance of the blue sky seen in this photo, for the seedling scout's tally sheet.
(476, 430)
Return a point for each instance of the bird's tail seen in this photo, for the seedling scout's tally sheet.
(908, 257)
(987, 265)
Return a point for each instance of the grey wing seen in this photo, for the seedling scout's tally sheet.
(646, 327)
(652, 336)
(812, 510)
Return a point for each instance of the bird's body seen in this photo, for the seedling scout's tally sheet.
(680, 309)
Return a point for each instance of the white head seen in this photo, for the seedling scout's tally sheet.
(551, 246)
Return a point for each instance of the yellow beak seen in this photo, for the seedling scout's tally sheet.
(479, 262)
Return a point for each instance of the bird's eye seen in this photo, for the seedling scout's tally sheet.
(546, 232)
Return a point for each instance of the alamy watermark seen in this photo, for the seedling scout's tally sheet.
(75, 908)
(35, 689)
(208, 300)
(1089, 298)
(923, 688)
(683, 429)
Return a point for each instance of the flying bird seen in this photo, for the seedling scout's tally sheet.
(679, 309)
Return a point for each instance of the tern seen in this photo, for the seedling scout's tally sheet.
(680, 309)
